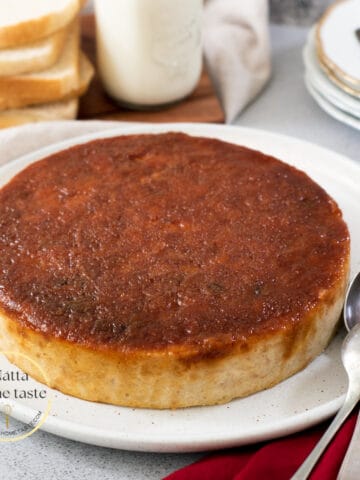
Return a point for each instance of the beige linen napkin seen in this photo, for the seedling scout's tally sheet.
(237, 51)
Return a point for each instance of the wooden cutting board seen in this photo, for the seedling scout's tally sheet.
(201, 106)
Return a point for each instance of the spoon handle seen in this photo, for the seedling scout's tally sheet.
(350, 467)
(304, 471)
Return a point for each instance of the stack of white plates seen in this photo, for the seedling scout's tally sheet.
(332, 62)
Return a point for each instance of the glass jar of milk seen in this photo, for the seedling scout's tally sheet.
(149, 51)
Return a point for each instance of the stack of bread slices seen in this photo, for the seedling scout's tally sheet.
(42, 70)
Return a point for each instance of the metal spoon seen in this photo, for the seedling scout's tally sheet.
(350, 354)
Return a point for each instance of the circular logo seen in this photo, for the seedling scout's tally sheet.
(22, 397)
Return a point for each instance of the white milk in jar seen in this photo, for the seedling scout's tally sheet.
(149, 51)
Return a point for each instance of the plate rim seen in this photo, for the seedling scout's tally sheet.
(43, 152)
(331, 109)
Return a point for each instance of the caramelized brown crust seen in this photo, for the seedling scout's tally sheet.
(155, 246)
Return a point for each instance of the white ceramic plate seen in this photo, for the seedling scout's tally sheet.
(331, 109)
(337, 42)
(323, 85)
(299, 402)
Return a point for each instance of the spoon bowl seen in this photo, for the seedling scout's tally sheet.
(352, 304)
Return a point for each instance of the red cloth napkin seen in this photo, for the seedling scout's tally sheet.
(277, 459)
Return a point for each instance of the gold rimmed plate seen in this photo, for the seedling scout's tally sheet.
(337, 45)
(321, 82)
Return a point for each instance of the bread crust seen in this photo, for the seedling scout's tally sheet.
(38, 28)
(45, 53)
(41, 87)
(66, 109)
(63, 110)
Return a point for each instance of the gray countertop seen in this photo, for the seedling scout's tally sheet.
(284, 107)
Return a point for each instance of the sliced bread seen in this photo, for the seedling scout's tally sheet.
(32, 57)
(26, 21)
(63, 110)
(48, 85)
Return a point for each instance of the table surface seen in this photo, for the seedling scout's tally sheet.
(284, 107)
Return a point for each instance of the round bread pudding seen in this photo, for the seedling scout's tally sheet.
(168, 271)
